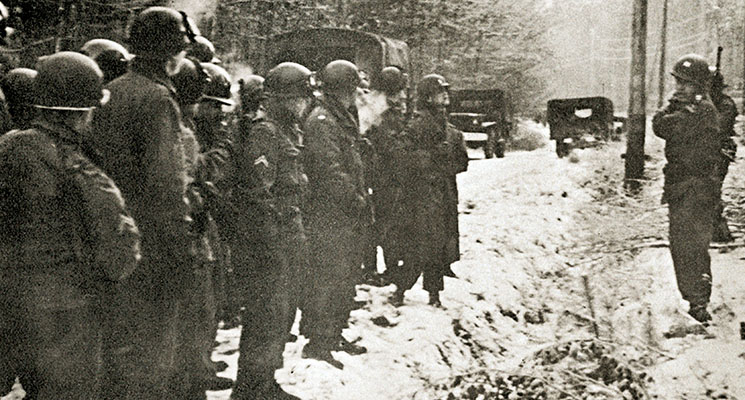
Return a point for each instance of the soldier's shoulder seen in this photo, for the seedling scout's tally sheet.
(319, 116)
(30, 144)
(132, 85)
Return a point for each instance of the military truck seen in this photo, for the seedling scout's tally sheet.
(484, 116)
(314, 48)
(579, 122)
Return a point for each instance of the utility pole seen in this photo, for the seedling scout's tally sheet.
(637, 98)
(663, 50)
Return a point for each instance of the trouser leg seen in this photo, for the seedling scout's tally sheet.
(690, 234)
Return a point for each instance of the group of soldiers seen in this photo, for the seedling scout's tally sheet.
(136, 212)
(697, 125)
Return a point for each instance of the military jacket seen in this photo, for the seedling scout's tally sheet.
(62, 216)
(692, 143)
(138, 142)
(333, 162)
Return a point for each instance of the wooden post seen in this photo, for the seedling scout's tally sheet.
(637, 98)
(663, 48)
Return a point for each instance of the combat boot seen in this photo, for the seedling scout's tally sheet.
(721, 232)
(699, 313)
(434, 299)
(321, 352)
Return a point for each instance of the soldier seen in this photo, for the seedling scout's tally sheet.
(689, 124)
(434, 154)
(198, 325)
(383, 177)
(66, 237)
(337, 212)
(727, 116)
(252, 96)
(111, 56)
(138, 142)
(270, 182)
(18, 88)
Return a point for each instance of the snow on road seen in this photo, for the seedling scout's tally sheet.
(518, 320)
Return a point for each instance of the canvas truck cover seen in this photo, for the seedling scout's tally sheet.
(314, 48)
(563, 111)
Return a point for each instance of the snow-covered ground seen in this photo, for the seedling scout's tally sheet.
(565, 289)
(518, 321)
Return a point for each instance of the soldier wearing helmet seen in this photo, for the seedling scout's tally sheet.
(269, 246)
(138, 141)
(727, 110)
(690, 127)
(251, 93)
(337, 193)
(434, 153)
(382, 174)
(68, 234)
(111, 56)
(18, 88)
(198, 324)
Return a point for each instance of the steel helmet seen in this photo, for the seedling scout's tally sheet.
(340, 75)
(391, 80)
(431, 85)
(251, 90)
(69, 81)
(111, 56)
(694, 69)
(288, 79)
(18, 86)
(94, 47)
(161, 32)
(218, 84)
(203, 50)
(189, 82)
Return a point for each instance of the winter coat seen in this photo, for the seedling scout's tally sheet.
(383, 177)
(65, 229)
(692, 146)
(137, 141)
(268, 173)
(337, 197)
(435, 153)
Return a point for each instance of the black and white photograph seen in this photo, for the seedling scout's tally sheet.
(372, 200)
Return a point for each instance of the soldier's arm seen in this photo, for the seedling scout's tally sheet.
(324, 164)
(666, 121)
(261, 156)
(458, 152)
(112, 234)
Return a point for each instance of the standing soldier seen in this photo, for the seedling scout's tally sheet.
(138, 139)
(337, 212)
(383, 177)
(436, 153)
(727, 116)
(66, 238)
(689, 124)
(270, 185)
(198, 324)
(214, 130)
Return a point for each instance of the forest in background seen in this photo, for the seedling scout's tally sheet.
(533, 49)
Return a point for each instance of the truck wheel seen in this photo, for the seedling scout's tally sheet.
(488, 151)
(489, 146)
(499, 151)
